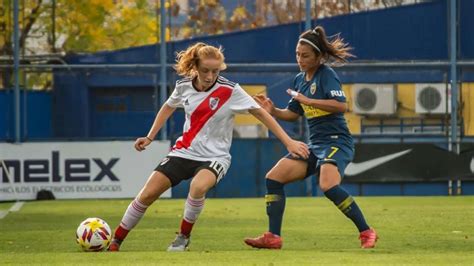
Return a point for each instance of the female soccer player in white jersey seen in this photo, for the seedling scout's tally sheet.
(318, 96)
(202, 152)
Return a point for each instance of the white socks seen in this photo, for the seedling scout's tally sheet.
(192, 208)
(136, 210)
(132, 216)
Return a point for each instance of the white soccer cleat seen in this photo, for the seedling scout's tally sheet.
(180, 243)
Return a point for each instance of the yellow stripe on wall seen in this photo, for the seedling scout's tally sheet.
(248, 119)
(353, 120)
(406, 100)
(467, 112)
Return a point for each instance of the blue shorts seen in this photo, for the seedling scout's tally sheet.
(339, 154)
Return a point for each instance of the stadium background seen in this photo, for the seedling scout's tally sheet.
(112, 96)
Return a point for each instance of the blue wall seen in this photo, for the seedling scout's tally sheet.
(417, 32)
(70, 105)
(6, 113)
(36, 122)
(466, 29)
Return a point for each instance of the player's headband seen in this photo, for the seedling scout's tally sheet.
(308, 41)
(302, 39)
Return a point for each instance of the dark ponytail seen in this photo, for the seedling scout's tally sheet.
(335, 49)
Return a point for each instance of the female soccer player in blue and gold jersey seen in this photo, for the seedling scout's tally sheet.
(318, 96)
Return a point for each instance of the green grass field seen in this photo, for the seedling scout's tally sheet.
(413, 230)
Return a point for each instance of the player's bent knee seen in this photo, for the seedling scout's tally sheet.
(274, 175)
(324, 187)
(198, 192)
(327, 184)
(329, 177)
(269, 176)
(202, 182)
(147, 197)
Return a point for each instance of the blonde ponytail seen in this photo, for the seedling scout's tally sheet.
(188, 59)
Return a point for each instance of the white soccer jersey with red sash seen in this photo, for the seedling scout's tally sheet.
(207, 131)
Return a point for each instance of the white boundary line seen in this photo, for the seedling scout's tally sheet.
(10, 180)
(14, 208)
(18, 204)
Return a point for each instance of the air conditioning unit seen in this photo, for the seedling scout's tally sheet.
(432, 98)
(374, 99)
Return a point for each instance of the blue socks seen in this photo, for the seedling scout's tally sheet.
(347, 205)
(275, 200)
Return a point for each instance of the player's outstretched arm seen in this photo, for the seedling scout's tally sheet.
(296, 148)
(282, 114)
(328, 105)
(165, 112)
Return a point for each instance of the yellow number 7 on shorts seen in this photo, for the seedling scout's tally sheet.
(334, 150)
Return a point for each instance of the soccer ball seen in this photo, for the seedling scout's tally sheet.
(93, 234)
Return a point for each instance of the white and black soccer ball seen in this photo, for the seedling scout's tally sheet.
(93, 234)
